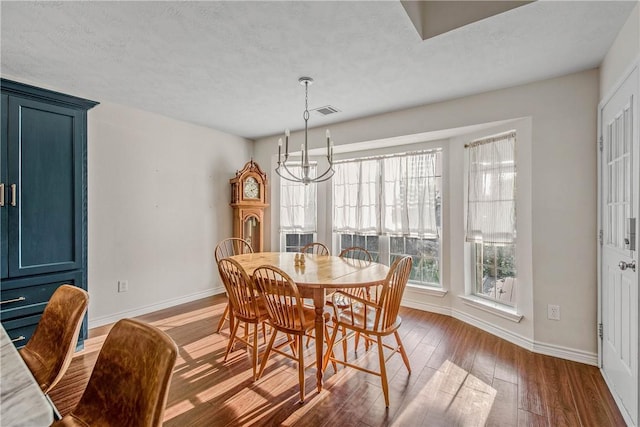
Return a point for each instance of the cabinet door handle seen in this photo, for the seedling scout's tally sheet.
(13, 194)
(12, 300)
(20, 338)
(1, 194)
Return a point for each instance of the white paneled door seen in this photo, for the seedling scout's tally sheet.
(619, 194)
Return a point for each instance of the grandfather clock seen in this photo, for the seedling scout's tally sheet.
(248, 200)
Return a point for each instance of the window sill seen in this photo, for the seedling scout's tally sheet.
(427, 290)
(498, 309)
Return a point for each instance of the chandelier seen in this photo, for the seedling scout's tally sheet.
(283, 170)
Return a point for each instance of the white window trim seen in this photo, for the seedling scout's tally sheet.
(432, 291)
(523, 305)
(499, 309)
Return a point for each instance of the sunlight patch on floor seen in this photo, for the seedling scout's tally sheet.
(451, 397)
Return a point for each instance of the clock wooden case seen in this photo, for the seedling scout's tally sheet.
(248, 201)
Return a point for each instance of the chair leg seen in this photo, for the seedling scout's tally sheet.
(264, 332)
(223, 318)
(402, 352)
(327, 338)
(301, 367)
(330, 348)
(292, 345)
(267, 352)
(254, 354)
(344, 343)
(383, 372)
(231, 340)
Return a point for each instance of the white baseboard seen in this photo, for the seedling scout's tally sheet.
(566, 353)
(505, 334)
(524, 342)
(139, 311)
(537, 347)
(421, 305)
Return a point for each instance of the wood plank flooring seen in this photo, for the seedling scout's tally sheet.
(461, 376)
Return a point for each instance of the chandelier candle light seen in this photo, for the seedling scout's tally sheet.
(282, 168)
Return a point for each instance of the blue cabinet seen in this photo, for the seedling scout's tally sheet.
(43, 226)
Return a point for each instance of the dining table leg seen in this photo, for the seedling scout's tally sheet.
(318, 302)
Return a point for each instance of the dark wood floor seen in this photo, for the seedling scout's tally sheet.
(461, 376)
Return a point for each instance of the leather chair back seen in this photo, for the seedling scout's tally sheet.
(50, 349)
(130, 381)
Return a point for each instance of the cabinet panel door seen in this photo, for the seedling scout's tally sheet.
(3, 187)
(45, 164)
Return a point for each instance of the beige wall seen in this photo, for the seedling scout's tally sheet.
(158, 204)
(563, 196)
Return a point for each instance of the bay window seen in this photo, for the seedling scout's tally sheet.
(391, 206)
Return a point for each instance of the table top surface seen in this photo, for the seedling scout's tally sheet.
(321, 271)
(22, 402)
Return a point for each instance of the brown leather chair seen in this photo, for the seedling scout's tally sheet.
(374, 319)
(130, 380)
(50, 349)
(225, 249)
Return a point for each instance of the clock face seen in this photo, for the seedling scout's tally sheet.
(251, 188)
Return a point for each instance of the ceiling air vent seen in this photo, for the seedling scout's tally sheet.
(326, 110)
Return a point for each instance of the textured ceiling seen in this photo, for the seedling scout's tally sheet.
(234, 66)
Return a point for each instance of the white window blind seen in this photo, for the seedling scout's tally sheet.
(491, 206)
(394, 195)
(298, 204)
(356, 197)
(410, 195)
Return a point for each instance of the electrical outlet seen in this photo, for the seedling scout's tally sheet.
(553, 312)
(123, 285)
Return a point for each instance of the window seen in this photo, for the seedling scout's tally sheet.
(390, 205)
(294, 242)
(425, 254)
(298, 216)
(370, 243)
(491, 216)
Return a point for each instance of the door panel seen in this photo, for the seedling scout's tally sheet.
(44, 143)
(4, 206)
(619, 285)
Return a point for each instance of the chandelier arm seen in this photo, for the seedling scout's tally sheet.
(291, 174)
(330, 169)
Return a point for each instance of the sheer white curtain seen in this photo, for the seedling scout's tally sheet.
(356, 197)
(394, 195)
(491, 205)
(298, 204)
(410, 195)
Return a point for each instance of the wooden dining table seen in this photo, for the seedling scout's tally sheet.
(318, 274)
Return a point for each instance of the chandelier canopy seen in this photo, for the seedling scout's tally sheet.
(283, 170)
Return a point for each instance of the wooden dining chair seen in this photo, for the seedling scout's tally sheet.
(50, 349)
(287, 315)
(130, 380)
(357, 253)
(315, 248)
(362, 257)
(374, 319)
(226, 248)
(247, 306)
